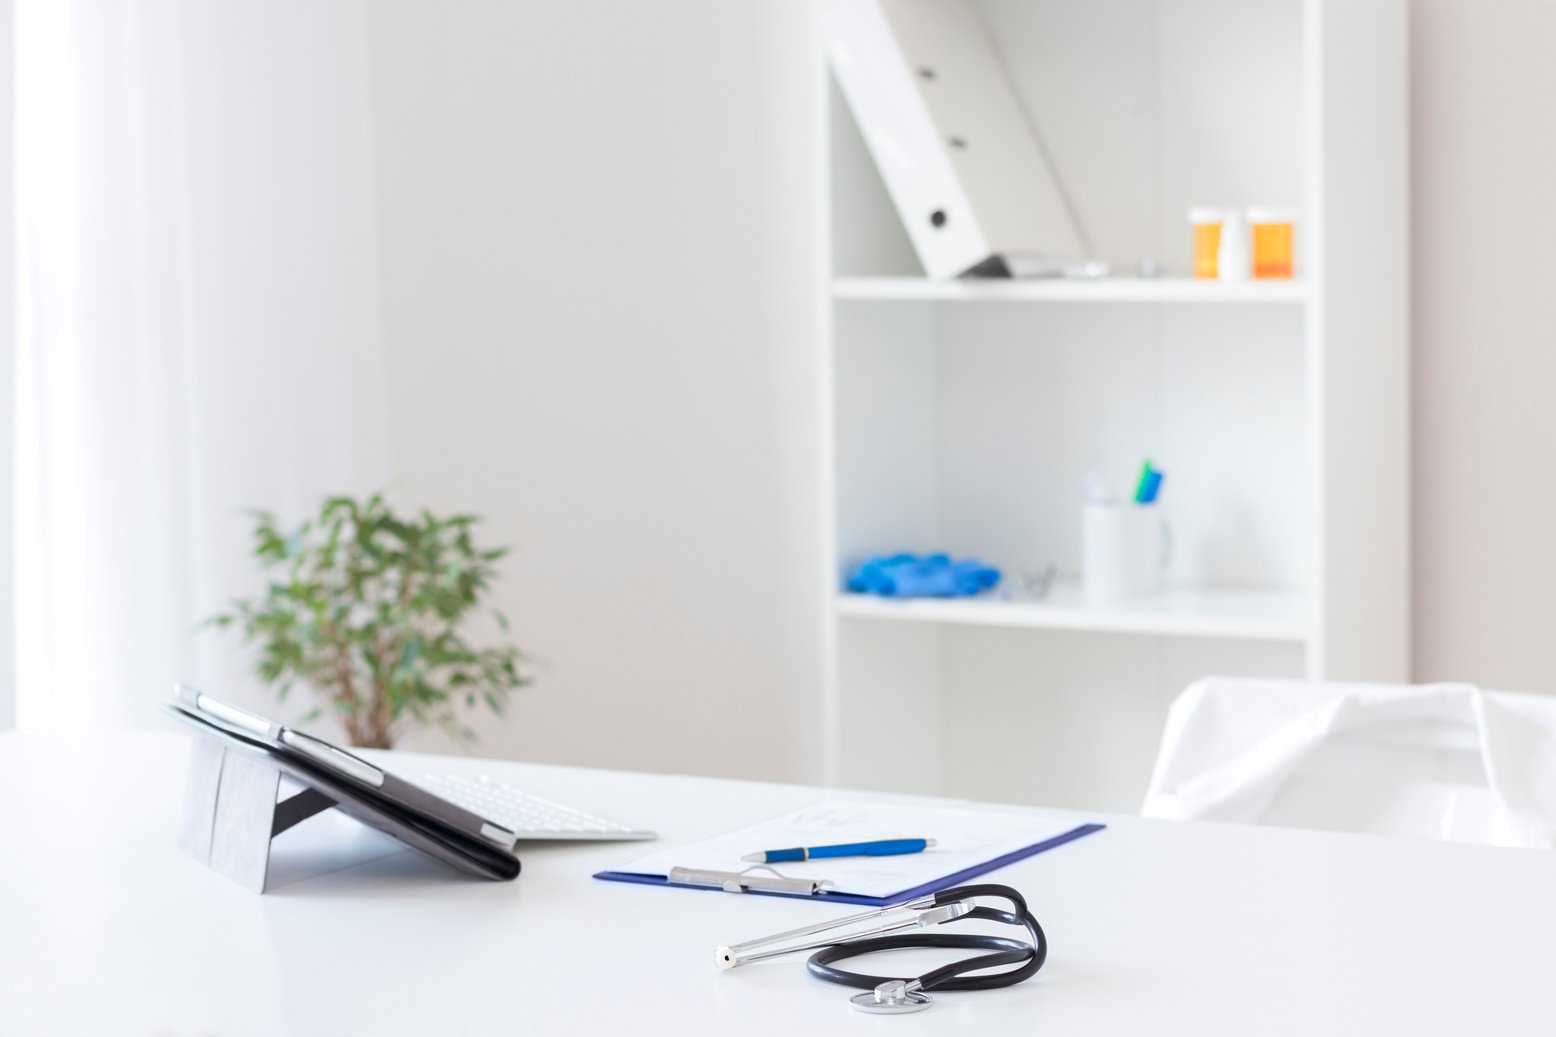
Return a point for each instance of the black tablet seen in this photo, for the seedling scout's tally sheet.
(368, 793)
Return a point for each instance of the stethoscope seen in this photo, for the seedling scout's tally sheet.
(888, 995)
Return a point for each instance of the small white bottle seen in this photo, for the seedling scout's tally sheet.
(1233, 262)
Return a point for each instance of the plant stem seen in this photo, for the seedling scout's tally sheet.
(348, 692)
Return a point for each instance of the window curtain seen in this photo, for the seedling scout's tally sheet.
(197, 327)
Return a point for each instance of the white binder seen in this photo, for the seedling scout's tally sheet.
(957, 155)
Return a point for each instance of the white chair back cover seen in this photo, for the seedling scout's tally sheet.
(1443, 761)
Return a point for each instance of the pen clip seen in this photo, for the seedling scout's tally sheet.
(745, 881)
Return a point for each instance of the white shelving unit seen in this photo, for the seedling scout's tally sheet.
(963, 415)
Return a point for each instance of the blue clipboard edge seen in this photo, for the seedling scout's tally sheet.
(853, 898)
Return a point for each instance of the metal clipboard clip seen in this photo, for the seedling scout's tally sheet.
(745, 881)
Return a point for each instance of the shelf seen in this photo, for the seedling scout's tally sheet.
(1112, 290)
(1230, 614)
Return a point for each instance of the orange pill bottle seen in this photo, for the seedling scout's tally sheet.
(1272, 242)
(1207, 239)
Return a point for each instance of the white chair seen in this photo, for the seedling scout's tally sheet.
(1442, 761)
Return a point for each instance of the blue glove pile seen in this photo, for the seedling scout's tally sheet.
(929, 576)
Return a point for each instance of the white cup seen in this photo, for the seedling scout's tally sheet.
(1123, 551)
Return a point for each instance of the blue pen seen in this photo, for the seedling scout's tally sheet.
(878, 848)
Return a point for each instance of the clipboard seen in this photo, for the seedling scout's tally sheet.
(816, 882)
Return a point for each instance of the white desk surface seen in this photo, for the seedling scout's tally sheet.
(1156, 927)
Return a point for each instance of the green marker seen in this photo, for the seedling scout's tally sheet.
(1145, 479)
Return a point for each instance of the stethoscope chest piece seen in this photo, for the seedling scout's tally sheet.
(892, 998)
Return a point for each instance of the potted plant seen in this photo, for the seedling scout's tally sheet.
(365, 607)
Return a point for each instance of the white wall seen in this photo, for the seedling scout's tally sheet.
(1484, 142)
(599, 242)
(7, 355)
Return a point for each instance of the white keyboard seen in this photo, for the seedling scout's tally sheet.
(528, 817)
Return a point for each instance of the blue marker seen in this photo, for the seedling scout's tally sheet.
(1153, 487)
(879, 848)
(1149, 485)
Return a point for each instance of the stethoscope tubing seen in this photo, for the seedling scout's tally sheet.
(954, 976)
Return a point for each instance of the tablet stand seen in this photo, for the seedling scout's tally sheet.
(231, 811)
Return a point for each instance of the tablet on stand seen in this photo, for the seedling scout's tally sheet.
(234, 804)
